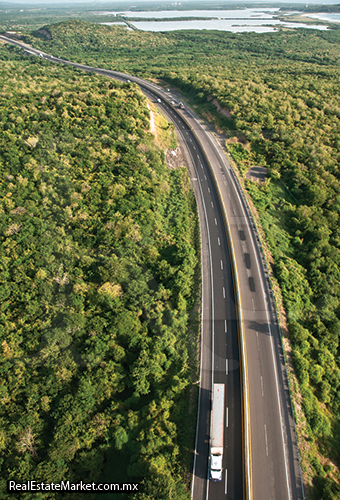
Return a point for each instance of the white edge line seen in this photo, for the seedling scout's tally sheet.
(265, 302)
(244, 377)
(213, 333)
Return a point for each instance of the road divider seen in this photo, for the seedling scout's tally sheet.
(246, 455)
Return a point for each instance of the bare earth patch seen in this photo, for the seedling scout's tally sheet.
(224, 111)
(257, 174)
(175, 158)
(152, 120)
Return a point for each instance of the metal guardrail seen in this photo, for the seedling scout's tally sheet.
(244, 385)
(273, 304)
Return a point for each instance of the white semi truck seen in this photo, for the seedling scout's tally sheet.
(216, 433)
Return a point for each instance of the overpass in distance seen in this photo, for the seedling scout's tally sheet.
(240, 339)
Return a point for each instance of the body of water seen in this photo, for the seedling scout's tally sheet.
(235, 14)
(236, 26)
(259, 20)
(334, 18)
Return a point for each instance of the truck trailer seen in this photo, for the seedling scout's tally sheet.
(216, 433)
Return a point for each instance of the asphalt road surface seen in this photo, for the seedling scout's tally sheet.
(274, 457)
(268, 469)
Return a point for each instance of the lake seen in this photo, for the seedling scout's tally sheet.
(259, 20)
(266, 13)
(242, 25)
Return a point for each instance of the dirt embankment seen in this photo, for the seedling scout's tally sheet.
(153, 127)
(224, 111)
(175, 158)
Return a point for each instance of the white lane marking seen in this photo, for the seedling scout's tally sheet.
(226, 367)
(212, 204)
(201, 165)
(215, 222)
(266, 309)
(234, 211)
(208, 190)
(198, 156)
(267, 313)
(218, 241)
(229, 196)
(223, 292)
(226, 482)
(205, 177)
(225, 326)
(266, 438)
(225, 183)
(213, 336)
(221, 265)
(190, 140)
(254, 309)
(262, 386)
(227, 417)
(257, 340)
(194, 148)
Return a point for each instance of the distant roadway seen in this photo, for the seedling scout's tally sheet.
(239, 325)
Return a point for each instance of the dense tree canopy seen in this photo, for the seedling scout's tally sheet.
(281, 93)
(98, 257)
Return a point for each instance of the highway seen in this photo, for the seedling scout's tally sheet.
(240, 344)
(220, 349)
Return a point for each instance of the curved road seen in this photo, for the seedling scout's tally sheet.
(260, 416)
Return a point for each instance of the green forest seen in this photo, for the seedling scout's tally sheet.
(99, 289)
(282, 92)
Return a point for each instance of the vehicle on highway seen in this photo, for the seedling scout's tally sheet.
(158, 100)
(181, 105)
(216, 433)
